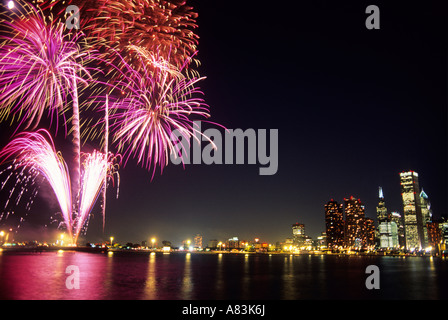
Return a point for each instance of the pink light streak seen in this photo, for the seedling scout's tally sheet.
(35, 151)
(155, 101)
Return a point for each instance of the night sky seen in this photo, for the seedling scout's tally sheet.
(353, 107)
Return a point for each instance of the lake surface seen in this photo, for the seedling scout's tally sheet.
(195, 276)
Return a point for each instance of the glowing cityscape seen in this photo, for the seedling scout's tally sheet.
(194, 149)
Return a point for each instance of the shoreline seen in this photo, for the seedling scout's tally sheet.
(106, 250)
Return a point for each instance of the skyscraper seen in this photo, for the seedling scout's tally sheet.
(398, 219)
(388, 234)
(434, 232)
(334, 224)
(198, 241)
(381, 210)
(413, 224)
(369, 233)
(298, 233)
(354, 223)
(426, 214)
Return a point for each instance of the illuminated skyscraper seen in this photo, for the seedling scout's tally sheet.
(334, 224)
(298, 233)
(355, 224)
(398, 219)
(426, 214)
(381, 210)
(413, 222)
(198, 241)
(434, 231)
(369, 233)
(388, 235)
(298, 229)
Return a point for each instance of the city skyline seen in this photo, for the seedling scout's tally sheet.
(345, 211)
(351, 211)
(210, 152)
(344, 100)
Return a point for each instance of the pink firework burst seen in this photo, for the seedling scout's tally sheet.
(39, 65)
(155, 101)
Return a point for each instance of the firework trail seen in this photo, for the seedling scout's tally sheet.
(35, 151)
(97, 169)
(106, 151)
(40, 67)
(21, 184)
(147, 46)
(160, 26)
(154, 42)
(155, 102)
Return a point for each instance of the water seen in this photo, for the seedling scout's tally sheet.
(194, 276)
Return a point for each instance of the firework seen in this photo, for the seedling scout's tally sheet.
(36, 152)
(146, 46)
(159, 26)
(39, 66)
(97, 169)
(154, 103)
(23, 188)
(106, 151)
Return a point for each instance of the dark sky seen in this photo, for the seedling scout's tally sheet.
(353, 107)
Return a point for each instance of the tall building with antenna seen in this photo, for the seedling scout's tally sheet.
(381, 210)
(387, 231)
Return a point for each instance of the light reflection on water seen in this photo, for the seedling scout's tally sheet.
(218, 276)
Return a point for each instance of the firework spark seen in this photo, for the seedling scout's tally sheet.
(97, 169)
(39, 66)
(147, 46)
(160, 26)
(155, 102)
(35, 151)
